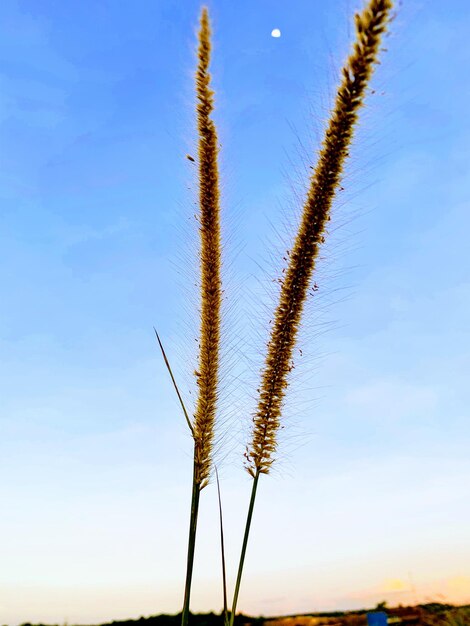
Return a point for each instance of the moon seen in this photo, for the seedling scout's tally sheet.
(275, 32)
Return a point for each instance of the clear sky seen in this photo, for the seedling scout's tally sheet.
(369, 499)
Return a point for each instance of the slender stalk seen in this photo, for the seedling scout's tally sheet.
(191, 547)
(244, 545)
(222, 549)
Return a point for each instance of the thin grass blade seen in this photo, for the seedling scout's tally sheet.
(167, 363)
(222, 548)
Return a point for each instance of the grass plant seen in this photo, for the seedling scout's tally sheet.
(202, 426)
(370, 25)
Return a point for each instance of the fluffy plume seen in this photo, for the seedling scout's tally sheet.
(370, 25)
(211, 293)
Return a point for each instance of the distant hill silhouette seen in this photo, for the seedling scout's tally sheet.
(424, 614)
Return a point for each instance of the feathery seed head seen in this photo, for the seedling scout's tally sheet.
(210, 259)
(325, 177)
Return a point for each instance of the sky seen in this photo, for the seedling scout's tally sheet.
(368, 499)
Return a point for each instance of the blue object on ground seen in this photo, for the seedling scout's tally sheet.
(377, 618)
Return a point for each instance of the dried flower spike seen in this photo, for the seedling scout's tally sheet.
(324, 181)
(211, 290)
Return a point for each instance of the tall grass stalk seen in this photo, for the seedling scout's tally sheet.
(211, 293)
(356, 73)
(222, 551)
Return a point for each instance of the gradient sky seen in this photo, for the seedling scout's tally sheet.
(370, 498)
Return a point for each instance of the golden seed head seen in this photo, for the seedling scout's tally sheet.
(370, 25)
(210, 259)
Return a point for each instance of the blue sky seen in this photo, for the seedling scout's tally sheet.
(98, 244)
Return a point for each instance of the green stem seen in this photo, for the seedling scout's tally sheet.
(243, 552)
(191, 547)
(222, 550)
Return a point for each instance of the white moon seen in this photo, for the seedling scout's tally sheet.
(275, 32)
